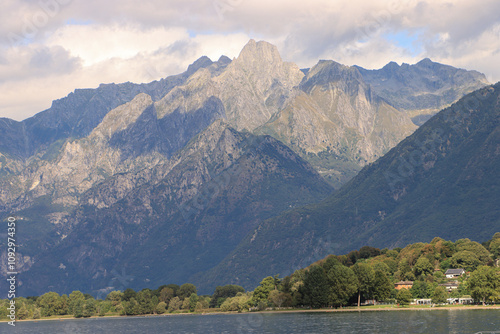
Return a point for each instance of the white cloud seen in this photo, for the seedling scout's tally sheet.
(128, 40)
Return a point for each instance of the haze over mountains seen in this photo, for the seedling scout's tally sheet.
(171, 179)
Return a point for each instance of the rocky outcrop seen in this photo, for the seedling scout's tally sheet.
(422, 89)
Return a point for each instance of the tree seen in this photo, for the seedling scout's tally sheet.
(365, 276)
(419, 290)
(161, 308)
(131, 307)
(343, 285)
(175, 304)
(474, 247)
(166, 294)
(128, 294)
(484, 284)
(466, 260)
(404, 270)
(261, 293)
(193, 300)
(51, 304)
(74, 297)
(366, 252)
(186, 290)
(439, 295)
(115, 297)
(495, 248)
(382, 286)
(89, 308)
(37, 314)
(77, 308)
(423, 267)
(315, 289)
(22, 313)
(404, 297)
(221, 293)
(279, 298)
(145, 300)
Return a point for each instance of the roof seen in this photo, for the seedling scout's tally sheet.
(404, 283)
(450, 284)
(454, 271)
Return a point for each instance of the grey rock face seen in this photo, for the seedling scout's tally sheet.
(422, 89)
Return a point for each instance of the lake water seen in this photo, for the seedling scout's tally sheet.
(440, 321)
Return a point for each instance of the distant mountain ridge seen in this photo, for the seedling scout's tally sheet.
(441, 181)
(161, 153)
(424, 88)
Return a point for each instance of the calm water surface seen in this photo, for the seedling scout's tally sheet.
(442, 321)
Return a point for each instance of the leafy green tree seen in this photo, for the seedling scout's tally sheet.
(382, 267)
(144, 299)
(404, 297)
(186, 290)
(131, 307)
(51, 304)
(77, 308)
(23, 312)
(439, 295)
(382, 286)
(221, 293)
(89, 308)
(239, 303)
(419, 290)
(423, 267)
(193, 300)
(315, 289)
(366, 252)
(128, 294)
(166, 294)
(495, 248)
(175, 304)
(261, 293)
(404, 270)
(439, 276)
(279, 298)
(474, 247)
(343, 284)
(331, 261)
(161, 308)
(466, 260)
(366, 277)
(73, 298)
(484, 284)
(37, 314)
(115, 297)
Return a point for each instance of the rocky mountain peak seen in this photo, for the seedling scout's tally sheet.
(201, 62)
(327, 72)
(258, 52)
(255, 85)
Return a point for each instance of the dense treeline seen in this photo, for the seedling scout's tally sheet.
(336, 281)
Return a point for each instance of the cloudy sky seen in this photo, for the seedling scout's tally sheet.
(50, 47)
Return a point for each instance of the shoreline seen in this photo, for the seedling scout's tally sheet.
(322, 310)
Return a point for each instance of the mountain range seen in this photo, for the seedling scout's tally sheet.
(191, 178)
